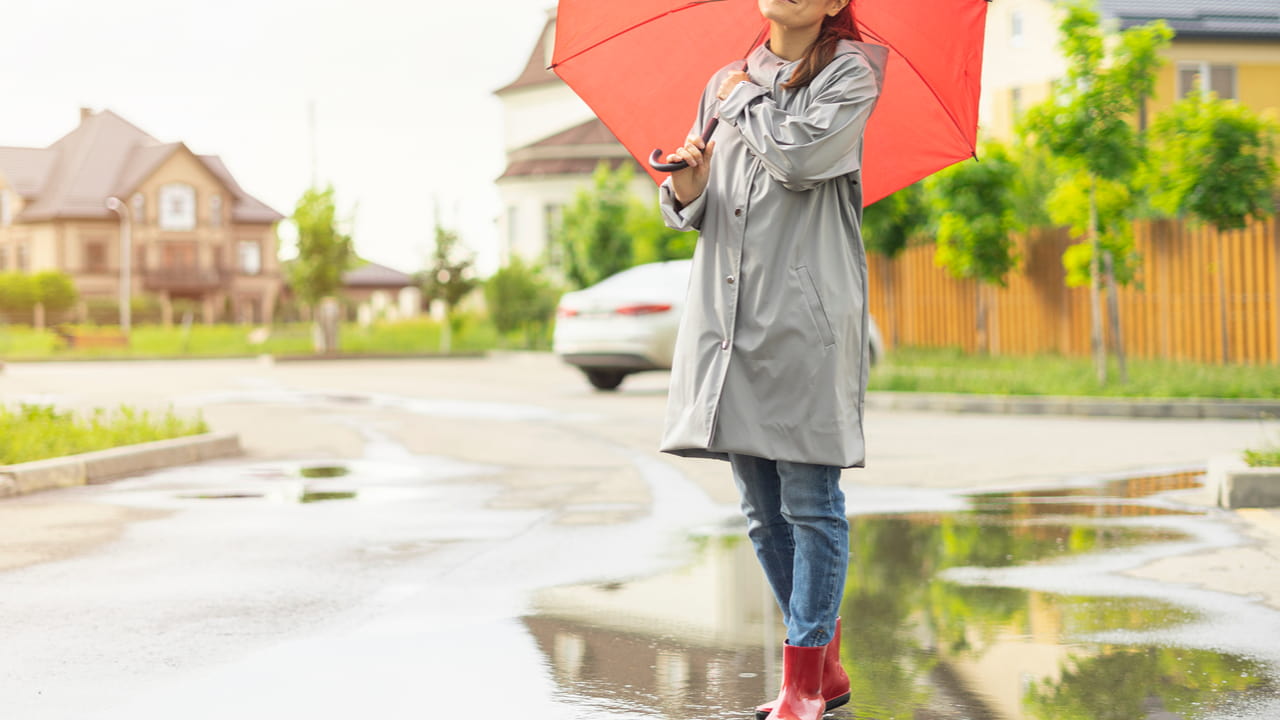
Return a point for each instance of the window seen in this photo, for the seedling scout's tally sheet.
(1015, 102)
(215, 210)
(20, 258)
(552, 216)
(177, 207)
(250, 257)
(139, 209)
(4, 258)
(5, 212)
(1016, 34)
(95, 256)
(1205, 77)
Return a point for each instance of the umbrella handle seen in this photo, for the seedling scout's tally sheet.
(655, 160)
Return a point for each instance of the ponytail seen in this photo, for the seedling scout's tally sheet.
(820, 54)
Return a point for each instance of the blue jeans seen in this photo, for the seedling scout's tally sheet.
(796, 521)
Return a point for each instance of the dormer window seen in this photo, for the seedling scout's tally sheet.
(139, 209)
(215, 210)
(177, 207)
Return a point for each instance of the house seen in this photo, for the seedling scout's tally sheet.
(195, 234)
(553, 144)
(1230, 47)
(378, 291)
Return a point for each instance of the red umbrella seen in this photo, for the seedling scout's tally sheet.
(642, 64)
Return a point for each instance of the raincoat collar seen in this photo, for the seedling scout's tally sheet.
(765, 67)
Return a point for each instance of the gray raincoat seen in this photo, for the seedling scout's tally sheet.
(771, 359)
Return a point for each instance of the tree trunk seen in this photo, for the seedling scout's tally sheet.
(1222, 304)
(1113, 309)
(984, 343)
(1095, 302)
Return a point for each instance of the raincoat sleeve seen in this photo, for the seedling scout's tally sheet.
(689, 217)
(823, 141)
(685, 218)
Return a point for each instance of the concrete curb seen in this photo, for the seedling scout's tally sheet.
(106, 465)
(1176, 408)
(1234, 484)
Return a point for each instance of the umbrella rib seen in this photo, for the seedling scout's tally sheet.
(954, 120)
(689, 6)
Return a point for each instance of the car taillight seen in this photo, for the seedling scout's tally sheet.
(642, 309)
(564, 312)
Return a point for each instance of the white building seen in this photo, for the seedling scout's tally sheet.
(553, 143)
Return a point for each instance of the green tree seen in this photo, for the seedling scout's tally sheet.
(593, 231)
(450, 276)
(1087, 124)
(974, 206)
(17, 295)
(651, 239)
(55, 291)
(1213, 161)
(520, 298)
(1078, 198)
(887, 228)
(324, 251)
(324, 254)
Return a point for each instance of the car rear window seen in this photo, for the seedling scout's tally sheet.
(674, 275)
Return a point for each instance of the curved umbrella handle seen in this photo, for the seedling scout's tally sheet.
(655, 160)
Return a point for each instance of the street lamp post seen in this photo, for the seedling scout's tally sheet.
(119, 207)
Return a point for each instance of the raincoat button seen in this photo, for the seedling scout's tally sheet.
(724, 345)
(729, 279)
(737, 213)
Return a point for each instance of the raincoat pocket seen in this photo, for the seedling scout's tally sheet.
(815, 306)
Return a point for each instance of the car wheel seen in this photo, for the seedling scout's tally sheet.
(605, 379)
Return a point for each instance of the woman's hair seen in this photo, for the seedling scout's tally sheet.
(834, 29)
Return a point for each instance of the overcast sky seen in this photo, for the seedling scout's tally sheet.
(403, 91)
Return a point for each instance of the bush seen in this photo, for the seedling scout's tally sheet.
(522, 300)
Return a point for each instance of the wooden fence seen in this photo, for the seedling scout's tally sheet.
(1173, 310)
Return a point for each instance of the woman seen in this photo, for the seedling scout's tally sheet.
(771, 361)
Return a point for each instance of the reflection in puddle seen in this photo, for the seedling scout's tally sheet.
(303, 496)
(692, 644)
(314, 496)
(324, 471)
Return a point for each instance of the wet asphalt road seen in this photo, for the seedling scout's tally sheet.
(424, 538)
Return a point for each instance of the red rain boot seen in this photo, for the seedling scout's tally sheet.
(801, 697)
(835, 681)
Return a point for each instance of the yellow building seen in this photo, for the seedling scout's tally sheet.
(1230, 47)
(196, 234)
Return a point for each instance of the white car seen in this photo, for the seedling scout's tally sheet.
(627, 323)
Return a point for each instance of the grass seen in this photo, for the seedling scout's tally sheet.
(951, 371)
(1263, 458)
(472, 333)
(37, 432)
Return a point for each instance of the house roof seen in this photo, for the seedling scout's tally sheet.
(575, 151)
(535, 70)
(373, 275)
(25, 169)
(105, 155)
(1219, 19)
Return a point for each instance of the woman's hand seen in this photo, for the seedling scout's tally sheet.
(731, 82)
(688, 184)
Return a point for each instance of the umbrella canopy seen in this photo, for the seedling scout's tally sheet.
(642, 65)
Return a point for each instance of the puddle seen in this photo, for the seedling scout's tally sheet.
(315, 497)
(692, 644)
(324, 471)
(303, 496)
